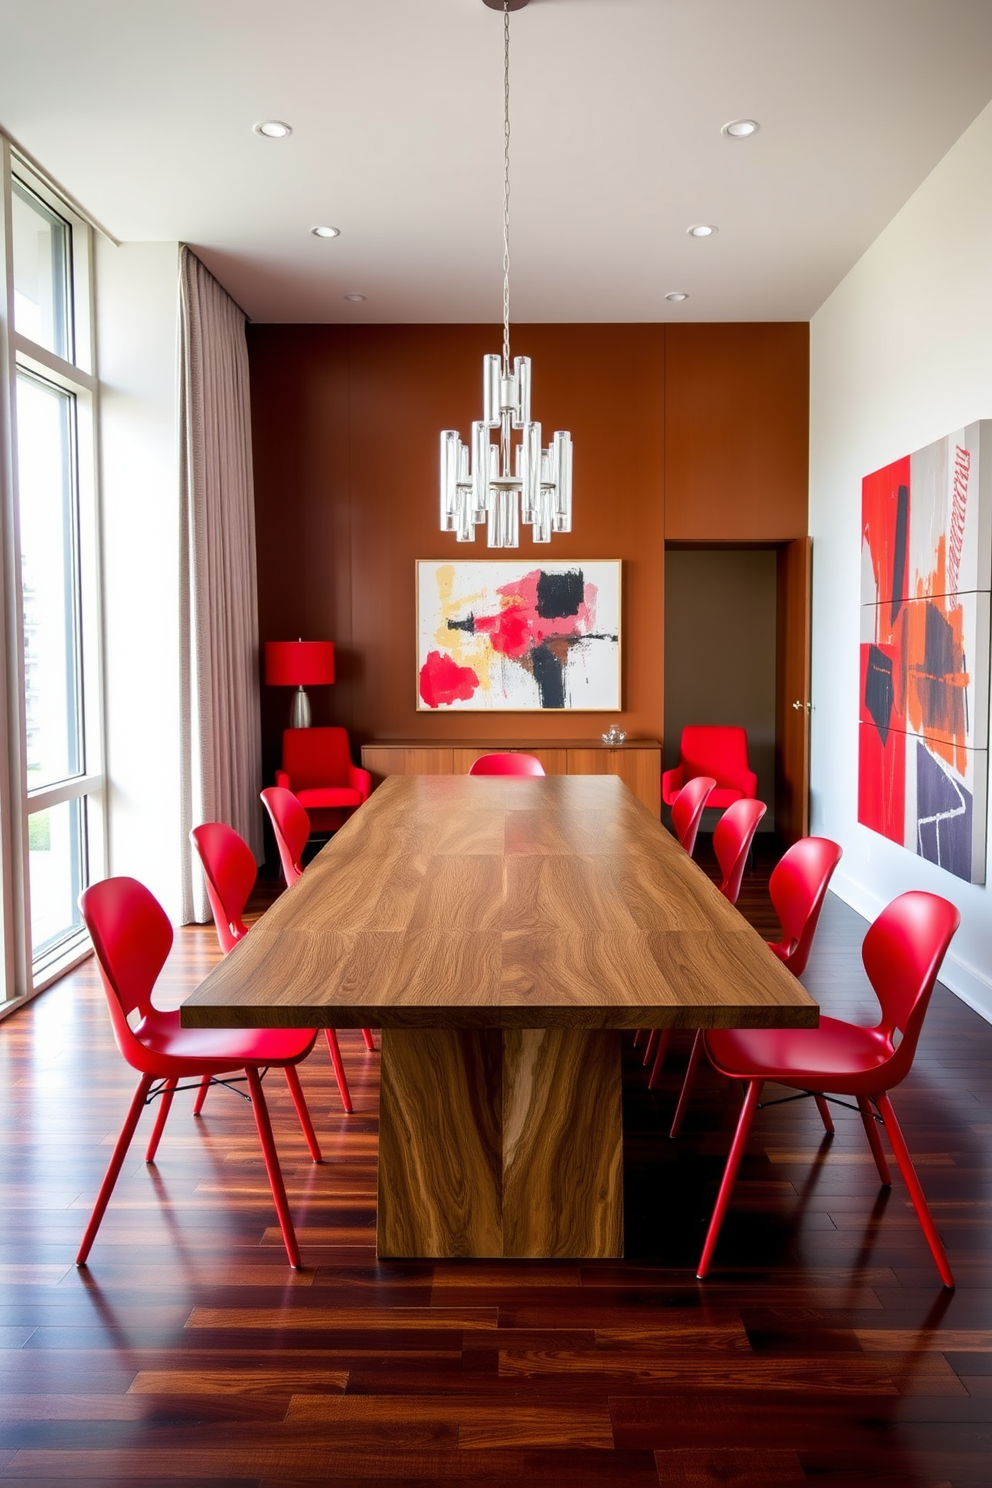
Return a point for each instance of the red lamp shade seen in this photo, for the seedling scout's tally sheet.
(299, 663)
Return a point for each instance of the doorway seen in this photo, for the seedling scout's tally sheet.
(737, 652)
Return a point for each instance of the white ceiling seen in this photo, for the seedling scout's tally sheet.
(143, 110)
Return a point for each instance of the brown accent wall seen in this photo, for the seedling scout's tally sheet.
(346, 429)
(736, 432)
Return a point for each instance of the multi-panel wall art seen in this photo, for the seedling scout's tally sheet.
(518, 636)
(926, 550)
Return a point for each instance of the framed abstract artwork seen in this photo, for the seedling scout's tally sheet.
(518, 636)
(926, 574)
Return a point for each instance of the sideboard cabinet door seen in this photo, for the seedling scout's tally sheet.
(638, 767)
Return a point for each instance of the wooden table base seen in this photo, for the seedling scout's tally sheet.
(500, 1142)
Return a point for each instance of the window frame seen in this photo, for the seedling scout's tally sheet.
(25, 976)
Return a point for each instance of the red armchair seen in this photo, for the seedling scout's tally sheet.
(317, 768)
(717, 750)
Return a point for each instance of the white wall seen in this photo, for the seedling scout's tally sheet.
(137, 297)
(901, 353)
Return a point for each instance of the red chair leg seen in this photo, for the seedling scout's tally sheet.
(201, 1095)
(650, 1047)
(369, 1040)
(825, 1116)
(338, 1063)
(299, 1101)
(664, 1039)
(639, 1034)
(920, 1204)
(272, 1167)
(874, 1140)
(116, 1163)
(687, 1083)
(164, 1107)
(729, 1175)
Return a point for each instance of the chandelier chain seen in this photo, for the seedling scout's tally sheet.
(506, 188)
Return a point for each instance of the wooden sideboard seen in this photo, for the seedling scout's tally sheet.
(637, 761)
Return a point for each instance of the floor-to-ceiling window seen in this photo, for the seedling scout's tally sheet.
(51, 790)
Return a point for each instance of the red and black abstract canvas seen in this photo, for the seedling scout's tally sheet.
(926, 550)
(520, 636)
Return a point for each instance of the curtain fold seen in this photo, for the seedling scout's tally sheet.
(221, 754)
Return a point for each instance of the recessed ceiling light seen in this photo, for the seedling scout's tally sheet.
(741, 128)
(355, 298)
(326, 232)
(701, 230)
(677, 296)
(273, 129)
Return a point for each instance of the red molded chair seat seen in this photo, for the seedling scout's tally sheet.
(316, 761)
(716, 750)
(132, 938)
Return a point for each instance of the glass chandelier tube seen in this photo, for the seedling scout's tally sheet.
(496, 478)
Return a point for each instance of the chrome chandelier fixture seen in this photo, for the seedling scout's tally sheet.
(499, 481)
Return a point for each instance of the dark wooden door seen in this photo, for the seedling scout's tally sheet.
(792, 693)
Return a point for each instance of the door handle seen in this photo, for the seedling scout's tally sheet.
(798, 706)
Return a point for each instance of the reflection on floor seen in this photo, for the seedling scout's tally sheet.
(822, 1350)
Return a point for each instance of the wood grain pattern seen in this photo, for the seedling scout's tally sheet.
(466, 902)
(562, 1143)
(440, 1144)
(500, 1143)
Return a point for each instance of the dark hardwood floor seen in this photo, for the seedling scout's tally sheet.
(822, 1350)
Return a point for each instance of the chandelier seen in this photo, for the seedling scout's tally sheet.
(502, 481)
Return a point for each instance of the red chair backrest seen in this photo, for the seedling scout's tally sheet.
(687, 809)
(732, 838)
(230, 872)
(902, 952)
(291, 826)
(507, 764)
(132, 938)
(714, 749)
(798, 887)
(314, 757)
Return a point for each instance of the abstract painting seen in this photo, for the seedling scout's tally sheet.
(518, 636)
(926, 574)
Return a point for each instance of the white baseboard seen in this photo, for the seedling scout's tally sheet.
(965, 981)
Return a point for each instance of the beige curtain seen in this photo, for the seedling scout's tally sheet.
(221, 762)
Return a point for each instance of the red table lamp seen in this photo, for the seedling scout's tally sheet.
(299, 664)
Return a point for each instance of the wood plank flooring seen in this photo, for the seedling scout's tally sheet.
(822, 1350)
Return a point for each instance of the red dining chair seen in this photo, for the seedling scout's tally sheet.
(132, 938)
(507, 764)
(317, 767)
(229, 870)
(291, 825)
(798, 887)
(732, 838)
(902, 953)
(687, 809)
(717, 750)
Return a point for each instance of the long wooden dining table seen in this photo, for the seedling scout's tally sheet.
(501, 932)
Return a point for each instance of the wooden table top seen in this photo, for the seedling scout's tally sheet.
(492, 902)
